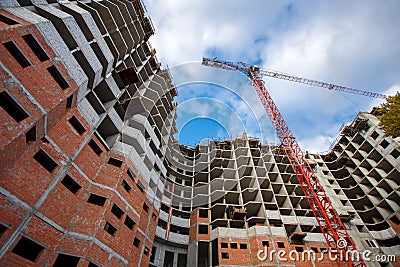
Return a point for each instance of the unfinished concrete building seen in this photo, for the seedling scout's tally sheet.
(92, 176)
(237, 196)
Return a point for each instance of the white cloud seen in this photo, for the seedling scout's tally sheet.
(315, 143)
(197, 107)
(187, 29)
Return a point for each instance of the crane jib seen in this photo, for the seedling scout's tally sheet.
(247, 69)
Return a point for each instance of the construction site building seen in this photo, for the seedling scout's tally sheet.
(91, 174)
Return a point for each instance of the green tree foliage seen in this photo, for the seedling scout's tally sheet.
(390, 115)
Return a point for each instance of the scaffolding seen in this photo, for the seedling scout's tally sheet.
(145, 21)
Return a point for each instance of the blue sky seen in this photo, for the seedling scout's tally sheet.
(349, 43)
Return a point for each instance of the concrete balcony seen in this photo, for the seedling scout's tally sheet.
(163, 216)
(180, 221)
(178, 238)
(160, 232)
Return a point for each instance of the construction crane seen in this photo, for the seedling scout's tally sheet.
(328, 220)
(283, 76)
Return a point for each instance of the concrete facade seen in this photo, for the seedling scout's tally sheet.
(360, 175)
(92, 176)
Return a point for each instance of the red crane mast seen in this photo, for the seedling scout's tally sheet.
(328, 220)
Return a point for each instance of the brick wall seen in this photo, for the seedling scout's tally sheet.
(48, 205)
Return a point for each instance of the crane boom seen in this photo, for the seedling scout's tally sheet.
(288, 77)
(328, 220)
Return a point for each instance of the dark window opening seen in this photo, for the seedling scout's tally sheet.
(395, 220)
(224, 245)
(371, 243)
(146, 251)
(169, 259)
(77, 125)
(265, 243)
(154, 216)
(115, 162)
(12, 107)
(96, 200)
(129, 222)
(70, 101)
(225, 255)
(30, 135)
(182, 260)
(95, 147)
(45, 160)
(17, 54)
(128, 76)
(91, 264)
(164, 208)
(140, 186)
(203, 213)
(162, 224)
(203, 229)
(314, 249)
(35, 47)
(243, 246)
(153, 254)
(64, 260)
(391, 242)
(203, 254)
(281, 244)
(234, 245)
(117, 211)
(27, 249)
(384, 143)
(299, 249)
(110, 229)
(7, 20)
(374, 135)
(323, 250)
(58, 77)
(136, 242)
(145, 207)
(395, 153)
(131, 174)
(70, 184)
(126, 186)
(3, 228)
